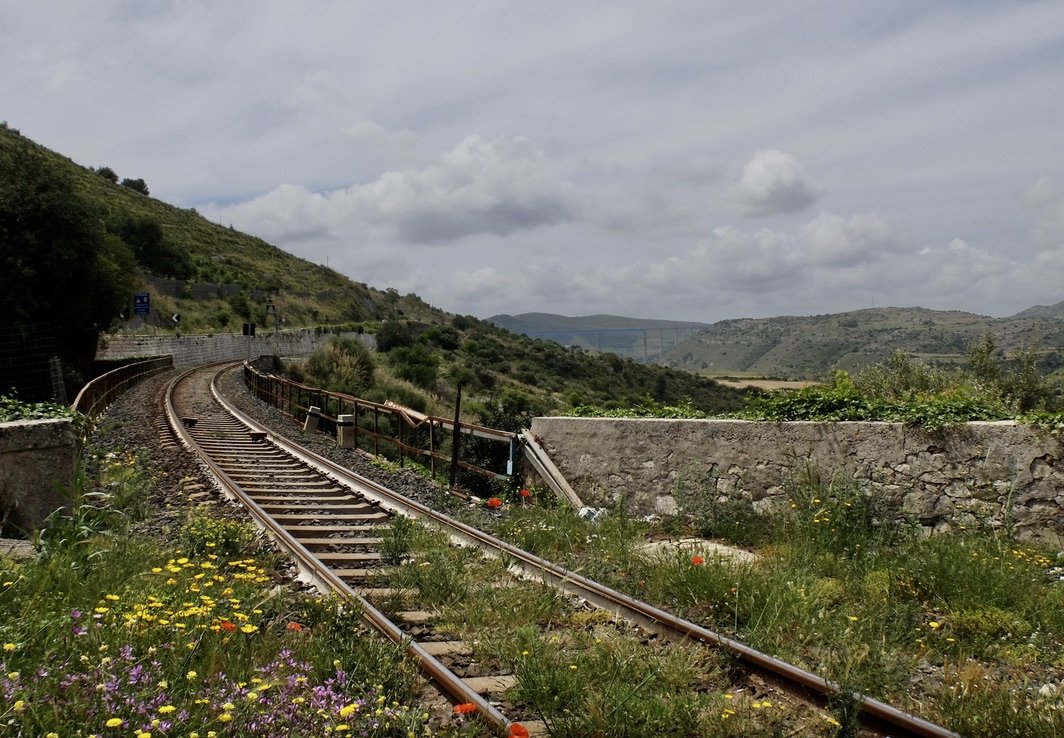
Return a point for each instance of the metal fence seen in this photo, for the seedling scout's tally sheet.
(480, 459)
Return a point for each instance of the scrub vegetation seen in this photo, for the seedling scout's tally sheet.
(903, 389)
(506, 379)
(962, 628)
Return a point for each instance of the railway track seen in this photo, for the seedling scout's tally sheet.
(333, 522)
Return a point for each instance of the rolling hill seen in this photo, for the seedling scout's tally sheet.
(811, 347)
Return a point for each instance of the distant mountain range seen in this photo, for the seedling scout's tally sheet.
(646, 341)
(790, 347)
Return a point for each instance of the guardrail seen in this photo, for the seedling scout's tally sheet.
(490, 454)
(95, 396)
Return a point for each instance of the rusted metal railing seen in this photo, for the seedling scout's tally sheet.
(383, 428)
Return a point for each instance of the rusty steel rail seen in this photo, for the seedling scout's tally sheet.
(874, 713)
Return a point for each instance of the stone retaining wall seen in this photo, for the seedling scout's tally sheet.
(35, 457)
(979, 473)
(196, 350)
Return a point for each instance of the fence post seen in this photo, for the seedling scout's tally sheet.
(432, 448)
(344, 433)
(456, 439)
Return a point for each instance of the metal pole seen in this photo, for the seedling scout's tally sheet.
(456, 438)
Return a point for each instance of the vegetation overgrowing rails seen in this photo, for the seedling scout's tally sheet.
(577, 669)
(963, 628)
(106, 634)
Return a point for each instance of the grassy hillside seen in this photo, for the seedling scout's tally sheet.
(304, 293)
(811, 347)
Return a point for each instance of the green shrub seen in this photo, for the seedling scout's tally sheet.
(342, 365)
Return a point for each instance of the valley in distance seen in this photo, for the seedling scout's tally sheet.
(788, 351)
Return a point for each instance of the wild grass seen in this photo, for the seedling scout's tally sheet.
(577, 669)
(962, 628)
(110, 633)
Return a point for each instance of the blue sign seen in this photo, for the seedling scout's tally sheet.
(141, 303)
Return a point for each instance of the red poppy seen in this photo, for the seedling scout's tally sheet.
(697, 560)
(464, 708)
(525, 493)
(227, 626)
(518, 731)
(294, 627)
(494, 502)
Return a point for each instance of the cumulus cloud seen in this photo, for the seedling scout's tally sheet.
(497, 186)
(773, 183)
(833, 241)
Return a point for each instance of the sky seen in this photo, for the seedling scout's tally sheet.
(690, 160)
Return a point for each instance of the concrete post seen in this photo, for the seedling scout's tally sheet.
(345, 431)
(313, 416)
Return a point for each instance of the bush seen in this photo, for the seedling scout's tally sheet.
(393, 334)
(342, 365)
(415, 364)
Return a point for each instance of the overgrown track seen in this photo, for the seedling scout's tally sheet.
(330, 520)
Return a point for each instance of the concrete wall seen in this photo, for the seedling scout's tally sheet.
(196, 350)
(35, 456)
(986, 473)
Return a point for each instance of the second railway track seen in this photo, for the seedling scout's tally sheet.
(332, 522)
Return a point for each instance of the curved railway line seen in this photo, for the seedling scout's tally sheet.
(331, 521)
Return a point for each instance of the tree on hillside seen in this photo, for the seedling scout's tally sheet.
(152, 250)
(58, 265)
(138, 185)
(107, 173)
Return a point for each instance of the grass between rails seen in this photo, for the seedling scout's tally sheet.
(964, 629)
(577, 669)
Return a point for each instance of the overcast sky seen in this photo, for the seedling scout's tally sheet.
(692, 160)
